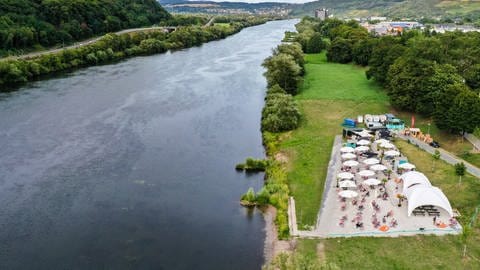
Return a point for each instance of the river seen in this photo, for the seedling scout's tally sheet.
(131, 165)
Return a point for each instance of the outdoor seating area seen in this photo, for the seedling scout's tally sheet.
(377, 192)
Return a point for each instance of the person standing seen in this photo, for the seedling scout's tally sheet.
(434, 220)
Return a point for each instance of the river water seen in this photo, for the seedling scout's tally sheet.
(131, 165)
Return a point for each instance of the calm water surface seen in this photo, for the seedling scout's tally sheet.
(131, 165)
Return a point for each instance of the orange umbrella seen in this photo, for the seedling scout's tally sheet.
(384, 228)
(442, 225)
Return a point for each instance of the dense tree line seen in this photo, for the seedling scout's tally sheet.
(436, 75)
(114, 47)
(285, 69)
(28, 23)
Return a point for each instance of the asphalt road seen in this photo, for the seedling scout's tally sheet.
(444, 155)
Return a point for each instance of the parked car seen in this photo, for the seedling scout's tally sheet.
(434, 144)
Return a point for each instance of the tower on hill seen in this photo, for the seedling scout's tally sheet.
(322, 14)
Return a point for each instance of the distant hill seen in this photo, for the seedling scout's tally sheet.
(395, 8)
(185, 6)
(29, 23)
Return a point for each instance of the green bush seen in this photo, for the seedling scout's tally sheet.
(249, 197)
(252, 164)
(263, 197)
(280, 113)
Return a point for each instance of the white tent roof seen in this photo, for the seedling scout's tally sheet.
(412, 179)
(424, 195)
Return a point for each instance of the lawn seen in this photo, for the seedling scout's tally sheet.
(330, 93)
(338, 82)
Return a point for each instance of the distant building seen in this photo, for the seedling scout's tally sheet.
(376, 18)
(391, 28)
(322, 14)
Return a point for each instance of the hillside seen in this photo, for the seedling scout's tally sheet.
(33, 23)
(396, 8)
(211, 7)
(347, 7)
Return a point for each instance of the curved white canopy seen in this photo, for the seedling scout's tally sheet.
(363, 142)
(412, 179)
(349, 156)
(347, 184)
(372, 182)
(424, 195)
(391, 153)
(366, 173)
(345, 175)
(380, 141)
(362, 148)
(346, 149)
(378, 167)
(407, 166)
(371, 161)
(387, 145)
(350, 163)
(364, 133)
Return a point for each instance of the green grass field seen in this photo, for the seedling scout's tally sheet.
(332, 92)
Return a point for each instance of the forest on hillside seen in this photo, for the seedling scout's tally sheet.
(467, 10)
(26, 24)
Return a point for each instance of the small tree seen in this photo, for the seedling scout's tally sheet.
(460, 171)
(435, 156)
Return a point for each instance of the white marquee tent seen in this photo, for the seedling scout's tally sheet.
(423, 195)
(412, 179)
(419, 191)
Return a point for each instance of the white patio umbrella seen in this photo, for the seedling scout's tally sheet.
(372, 182)
(350, 163)
(348, 194)
(366, 173)
(380, 141)
(362, 148)
(347, 184)
(371, 161)
(349, 156)
(364, 133)
(378, 167)
(347, 149)
(387, 145)
(391, 153)
(407, 166)
(345, 175)
(363, 142)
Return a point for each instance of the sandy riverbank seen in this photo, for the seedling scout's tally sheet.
(273, 246)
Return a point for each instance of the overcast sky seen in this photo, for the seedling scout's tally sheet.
(258, 1)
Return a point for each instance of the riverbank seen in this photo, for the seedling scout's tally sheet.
(330, 93)
(115, 47)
